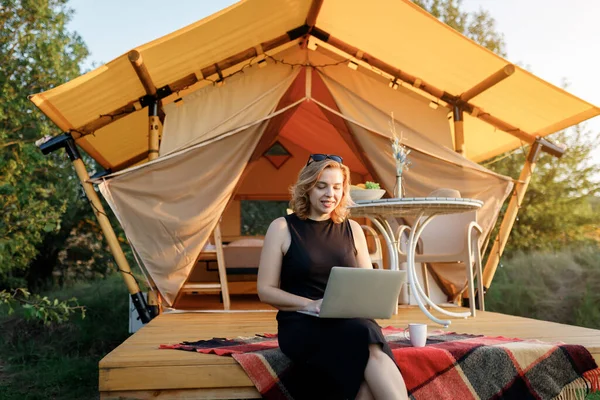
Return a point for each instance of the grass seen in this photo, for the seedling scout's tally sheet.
(61, 362)
(561, 287)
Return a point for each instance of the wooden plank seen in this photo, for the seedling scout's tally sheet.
(240, 300)
(186, 394)
(168, 377)
(242, 287)
(221, 267)
(194, 287)
(139, 369)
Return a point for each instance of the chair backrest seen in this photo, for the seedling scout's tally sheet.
(447, 234)
(376, 254)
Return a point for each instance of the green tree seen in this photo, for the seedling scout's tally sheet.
(560, 206)
(478, 26)
(39, 195)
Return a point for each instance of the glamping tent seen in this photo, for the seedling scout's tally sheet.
(228, 109)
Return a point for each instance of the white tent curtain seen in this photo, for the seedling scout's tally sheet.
(213, 110)
(170, 206)
(168, 209)
(409, 107)
(433, 166)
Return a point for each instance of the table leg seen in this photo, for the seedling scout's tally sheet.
(412, 279)
(395, 265)
(385, 229)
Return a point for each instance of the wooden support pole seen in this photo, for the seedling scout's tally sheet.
(511, 214)
(222, 267)
(154, 302)
(510, 129)
(488, 82)
(192, 78)
(313, 13)
(428, 88)
(135, 57)
(153, 131)
(109, 233)
(459, 133)
(137, 62)
(375, 62)
(107, 230)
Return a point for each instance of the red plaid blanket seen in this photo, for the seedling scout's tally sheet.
(451, 366)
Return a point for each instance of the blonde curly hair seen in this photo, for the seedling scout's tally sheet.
(308, 178)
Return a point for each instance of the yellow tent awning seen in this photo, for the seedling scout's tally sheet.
(398, 33)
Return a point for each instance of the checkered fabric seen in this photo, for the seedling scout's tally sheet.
(450, 366)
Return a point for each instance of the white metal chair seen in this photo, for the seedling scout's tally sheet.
(451, 239)
(377, 254)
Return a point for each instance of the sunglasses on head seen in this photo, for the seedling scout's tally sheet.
(321, 157)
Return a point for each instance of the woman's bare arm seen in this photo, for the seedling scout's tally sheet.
(269, 272)
(360, 242)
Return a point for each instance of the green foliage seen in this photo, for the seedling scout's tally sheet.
(560, 287)
(36, 307)
(560, 206)
(31, 211)
(372, 185)
(552, 286)
(257, 215)
(39, 195)
(64, 358)
(478, 26)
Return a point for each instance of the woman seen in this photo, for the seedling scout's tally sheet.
(298, 254)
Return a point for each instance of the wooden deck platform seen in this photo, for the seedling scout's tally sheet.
(137, 369)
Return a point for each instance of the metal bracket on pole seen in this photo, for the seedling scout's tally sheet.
(459, 135)
(67, 142)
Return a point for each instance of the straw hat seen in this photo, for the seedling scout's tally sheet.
(445, 192)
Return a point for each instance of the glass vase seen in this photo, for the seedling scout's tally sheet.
(398, 187)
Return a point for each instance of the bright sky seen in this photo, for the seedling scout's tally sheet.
(556, 40)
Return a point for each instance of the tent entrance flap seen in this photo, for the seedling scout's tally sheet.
(169, 208)
(428, 173)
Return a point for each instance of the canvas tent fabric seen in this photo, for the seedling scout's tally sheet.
(203, 115)
(395, 31)
(214, 134)
(169, 207)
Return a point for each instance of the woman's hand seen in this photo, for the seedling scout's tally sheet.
(314, 306)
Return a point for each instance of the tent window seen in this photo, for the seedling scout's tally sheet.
(258, 214)
(277, 155)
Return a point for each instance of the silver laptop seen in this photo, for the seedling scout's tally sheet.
(360, 293)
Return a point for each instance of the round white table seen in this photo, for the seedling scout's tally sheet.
(425, 209)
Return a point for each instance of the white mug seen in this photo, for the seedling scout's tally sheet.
(417, 334)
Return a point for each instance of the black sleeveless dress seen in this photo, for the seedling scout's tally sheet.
(333, 351)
